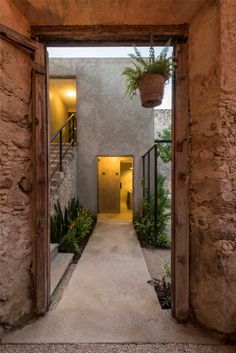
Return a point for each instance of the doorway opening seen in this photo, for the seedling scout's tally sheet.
(115, 185)
(180, 269)
(62, 126)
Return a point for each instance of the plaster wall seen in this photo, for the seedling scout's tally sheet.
(119, 12)
(15, 174)
(12, 17)
(109, 123)
(212, 86)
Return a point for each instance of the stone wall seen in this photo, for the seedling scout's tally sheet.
(162, 120)
(109, 123)
(212, 176)
(15, 175)
(68, 186)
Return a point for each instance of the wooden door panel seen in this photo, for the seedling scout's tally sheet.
(180, 187)
(41, 207)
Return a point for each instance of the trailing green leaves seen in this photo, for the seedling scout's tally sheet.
(161, 64)
(165, 148)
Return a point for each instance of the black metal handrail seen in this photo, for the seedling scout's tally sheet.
(153, 151)
(66, 138)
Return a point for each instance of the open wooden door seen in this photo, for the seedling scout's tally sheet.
(41, 145)
(180, 187)
(40, 190)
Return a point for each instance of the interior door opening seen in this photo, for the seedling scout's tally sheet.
(115, 185)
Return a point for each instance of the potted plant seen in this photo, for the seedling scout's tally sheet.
(149, 75)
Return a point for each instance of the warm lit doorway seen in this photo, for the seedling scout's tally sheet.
(115, 185)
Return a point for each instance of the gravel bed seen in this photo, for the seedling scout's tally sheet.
(156, 259)
(56, 297)
(115, 348)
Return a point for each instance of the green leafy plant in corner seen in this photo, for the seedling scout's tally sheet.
(70, 226)
(59, 223)
(167, 270)
(69, 242)
(161, 64)
(83, 223)
(165, 148)
(144, 220)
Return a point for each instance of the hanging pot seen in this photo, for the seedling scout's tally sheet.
(151, 88)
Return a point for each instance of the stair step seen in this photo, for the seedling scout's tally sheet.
(53, 190)
(53, 249)
(59, 266)
(54, 182)
(58, 175)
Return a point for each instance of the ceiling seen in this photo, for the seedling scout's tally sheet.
(117, 12)
(65, 89)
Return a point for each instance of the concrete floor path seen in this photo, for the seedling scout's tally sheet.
(108, 299)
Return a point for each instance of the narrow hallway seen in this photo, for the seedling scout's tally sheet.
(108, 299)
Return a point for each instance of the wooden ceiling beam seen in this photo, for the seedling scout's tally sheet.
(116, 35)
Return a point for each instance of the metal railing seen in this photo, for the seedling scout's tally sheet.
(60, 144)
(150, 176)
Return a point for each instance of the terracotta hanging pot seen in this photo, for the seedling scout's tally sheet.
(151, 88)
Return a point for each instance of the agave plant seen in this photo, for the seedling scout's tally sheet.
(161, 64)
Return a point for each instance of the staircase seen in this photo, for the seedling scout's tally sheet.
(60, 263)
(62, 152)
(58, 176)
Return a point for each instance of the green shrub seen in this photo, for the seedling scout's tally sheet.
(73, 208)
(144, 220)
(71, 226)
(167, 269)
(69, 242)
(59, 223)
(83, 223)
(165, 148)
(163, 242)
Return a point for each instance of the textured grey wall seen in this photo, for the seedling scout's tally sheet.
(108, 122)
(162, 120)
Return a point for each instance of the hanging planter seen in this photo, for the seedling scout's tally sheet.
(149, 76)
(151, 87)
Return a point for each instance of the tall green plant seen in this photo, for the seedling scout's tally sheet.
(144, 220)
(59, 223)
(62, 219)
(165, 148)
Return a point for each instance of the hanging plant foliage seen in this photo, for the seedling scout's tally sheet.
(149, 75)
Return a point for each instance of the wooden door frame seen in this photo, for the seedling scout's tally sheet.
(40, 191)
(124, 35)
(180, 187)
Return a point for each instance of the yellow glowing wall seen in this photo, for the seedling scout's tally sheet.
(58, 111)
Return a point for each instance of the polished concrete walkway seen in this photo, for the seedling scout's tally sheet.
(108, 299)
